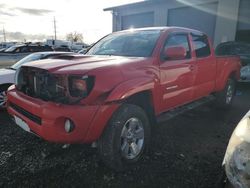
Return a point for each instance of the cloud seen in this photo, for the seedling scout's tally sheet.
(19, 36)
(2, 5)
(9, 11)
(34, 12)
(5, 13)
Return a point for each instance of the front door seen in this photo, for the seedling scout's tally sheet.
(177, 76)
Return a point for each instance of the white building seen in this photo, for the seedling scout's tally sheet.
(222, 20)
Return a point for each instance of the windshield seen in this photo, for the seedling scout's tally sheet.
(11, 49)
(31, 57)
(134, 43)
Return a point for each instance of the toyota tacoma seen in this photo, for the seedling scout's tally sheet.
(114, 94)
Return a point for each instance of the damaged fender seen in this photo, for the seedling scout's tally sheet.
(130, 88)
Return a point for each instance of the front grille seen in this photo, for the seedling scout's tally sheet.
(39, 83)
(27, 114)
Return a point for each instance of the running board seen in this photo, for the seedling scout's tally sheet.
(180, 110)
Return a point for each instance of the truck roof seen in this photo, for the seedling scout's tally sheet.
(172, 28)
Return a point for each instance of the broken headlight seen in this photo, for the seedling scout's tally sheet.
(80, 86)
(237, 157)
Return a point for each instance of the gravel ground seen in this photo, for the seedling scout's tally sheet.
(186, 151)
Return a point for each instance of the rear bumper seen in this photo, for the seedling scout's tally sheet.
(47, 119)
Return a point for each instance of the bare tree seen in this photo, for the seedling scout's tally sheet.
(74, 37)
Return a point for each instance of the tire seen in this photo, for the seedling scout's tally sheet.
(228, 184)
(3, 96)
(224, 99)
(125, 138)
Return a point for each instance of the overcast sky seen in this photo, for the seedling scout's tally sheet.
(33, 19)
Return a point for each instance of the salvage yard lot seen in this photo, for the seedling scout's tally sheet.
(186, 151)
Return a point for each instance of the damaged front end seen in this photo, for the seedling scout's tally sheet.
(237, 157)
(40, 83)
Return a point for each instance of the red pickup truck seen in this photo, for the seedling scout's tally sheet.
(114, 94)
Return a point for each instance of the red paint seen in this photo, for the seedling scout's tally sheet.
(176, 52)
(171, 83)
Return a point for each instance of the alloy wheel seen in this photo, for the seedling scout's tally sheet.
(132, 138)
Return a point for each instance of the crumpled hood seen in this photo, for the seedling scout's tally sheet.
(82, 64)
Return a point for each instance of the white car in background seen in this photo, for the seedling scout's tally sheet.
(245, 73)
(7, 75)
(237, 158)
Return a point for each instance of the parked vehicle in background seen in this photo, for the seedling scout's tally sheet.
(14, 53)
(245, 73)
(27, 48)
(7, 44)
(237, 158)
(82, 51)
(120, 88)
(2, 49)
(237, 48)
(7, 75)
(62, 49)
(77, 46)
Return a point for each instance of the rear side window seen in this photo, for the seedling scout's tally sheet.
(223, 50)
(179, 40)
(201, 45)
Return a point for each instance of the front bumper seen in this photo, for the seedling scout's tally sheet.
(47, 119)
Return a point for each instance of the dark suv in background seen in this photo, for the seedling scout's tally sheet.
(14, 53)
(237, 48)
(27, 48)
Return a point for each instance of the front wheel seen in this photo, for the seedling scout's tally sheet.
(125, 138)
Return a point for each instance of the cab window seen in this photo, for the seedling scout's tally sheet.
(179, 40)
(201, 45)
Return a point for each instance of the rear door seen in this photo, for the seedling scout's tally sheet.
(206, 66)
(177, 76)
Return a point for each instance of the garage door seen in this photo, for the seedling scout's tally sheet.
(201, 17)
(138, 20)
(243, 27)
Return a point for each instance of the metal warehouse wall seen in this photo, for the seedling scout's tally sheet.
(244, 15)
(218, 18)
(202, 17)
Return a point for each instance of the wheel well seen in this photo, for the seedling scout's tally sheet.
(145, 101)
(233, 75)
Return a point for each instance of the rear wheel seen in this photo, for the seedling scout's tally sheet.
(224, 98)
(125, 138)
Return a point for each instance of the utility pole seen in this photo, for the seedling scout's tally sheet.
(4, 35)
(55, 27)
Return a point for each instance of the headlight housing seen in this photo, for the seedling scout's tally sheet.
(237, 157)
(80, 86)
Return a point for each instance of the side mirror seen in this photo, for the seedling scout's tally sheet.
(175, 53)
